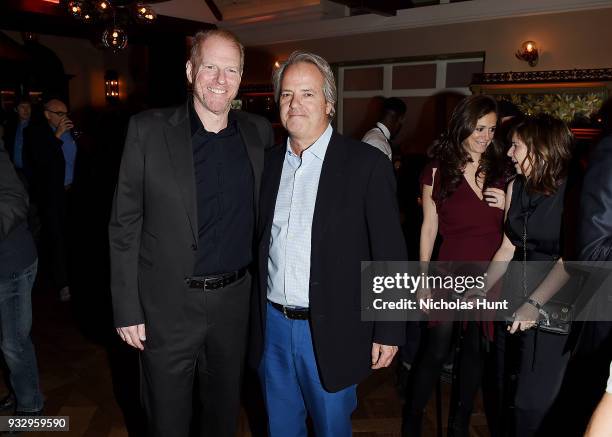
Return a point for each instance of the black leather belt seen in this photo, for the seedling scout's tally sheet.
(214, 282)
(292, 312)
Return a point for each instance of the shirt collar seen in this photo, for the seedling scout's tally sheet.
(384, 130)
(197, 125)
(319, 147)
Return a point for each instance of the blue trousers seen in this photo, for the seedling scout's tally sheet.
(17, 347)
(292, 387)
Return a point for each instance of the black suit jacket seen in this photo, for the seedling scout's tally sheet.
(43, 156)
(10, 130)
(595, 231)
(154, 225)
(355, 219)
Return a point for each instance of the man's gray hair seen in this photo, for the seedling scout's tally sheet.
(329, 83)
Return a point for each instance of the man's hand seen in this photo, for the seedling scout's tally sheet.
(133, 335)
(64, 125)
(382, 355)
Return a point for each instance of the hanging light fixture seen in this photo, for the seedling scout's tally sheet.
(115, 38)
(115, 15)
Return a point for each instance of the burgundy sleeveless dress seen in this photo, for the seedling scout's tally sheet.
(471, 230)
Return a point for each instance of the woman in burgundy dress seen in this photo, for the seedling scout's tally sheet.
(463, 201)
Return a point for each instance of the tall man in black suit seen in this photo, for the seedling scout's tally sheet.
(181, 241)
(328, 203)
(590, 365)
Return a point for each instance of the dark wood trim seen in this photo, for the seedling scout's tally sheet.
(552, 76)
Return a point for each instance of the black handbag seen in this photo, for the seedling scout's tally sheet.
(555, 316)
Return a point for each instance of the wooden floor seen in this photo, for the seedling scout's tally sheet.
(88, 375)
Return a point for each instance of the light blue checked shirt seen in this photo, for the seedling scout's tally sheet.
(289, 257)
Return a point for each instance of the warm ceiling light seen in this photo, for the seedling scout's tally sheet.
(528, 53)
(277, 64)
(103, 6)
(76, 8)
(145, 13)
(115, 38)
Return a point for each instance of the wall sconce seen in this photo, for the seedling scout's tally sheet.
(111, 86)
(528, 53)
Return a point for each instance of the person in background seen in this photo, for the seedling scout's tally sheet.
(387, 128)
(463, 201)
(13, 136)
(50, 154)
(589, 366)
(18, 265)
(532, 362)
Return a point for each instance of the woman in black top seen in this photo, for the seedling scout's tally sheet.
(532, 362)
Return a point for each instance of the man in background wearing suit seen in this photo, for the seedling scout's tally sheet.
(50, 154)
(13, 135)
(181, 242)
(590, 365)
(328, 203)
(388, 127)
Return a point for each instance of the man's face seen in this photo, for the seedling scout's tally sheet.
(24, 111)
(304, 112)
(396, 124)
(55, 111)
(217, 78)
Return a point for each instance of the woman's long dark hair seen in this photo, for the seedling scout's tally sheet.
(549, 144)
(452, 156)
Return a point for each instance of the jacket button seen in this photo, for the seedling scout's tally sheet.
(194, 247)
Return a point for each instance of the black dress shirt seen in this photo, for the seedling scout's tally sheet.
(224, 190)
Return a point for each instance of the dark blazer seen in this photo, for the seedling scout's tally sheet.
(355, 219)
(595, 225)
(154, 225)
(10, 130)
(43, 156)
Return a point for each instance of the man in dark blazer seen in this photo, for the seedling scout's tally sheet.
(13, 136)
(328, 203)
(588, 370)
(181, 242)
(50, 155)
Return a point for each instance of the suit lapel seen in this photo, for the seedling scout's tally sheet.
(331, 186)
(269, 186)
(255, 150)
(180, 150)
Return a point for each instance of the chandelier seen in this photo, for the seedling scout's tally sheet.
(114, 15)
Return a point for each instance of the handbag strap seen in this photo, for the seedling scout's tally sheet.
(539, 307)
